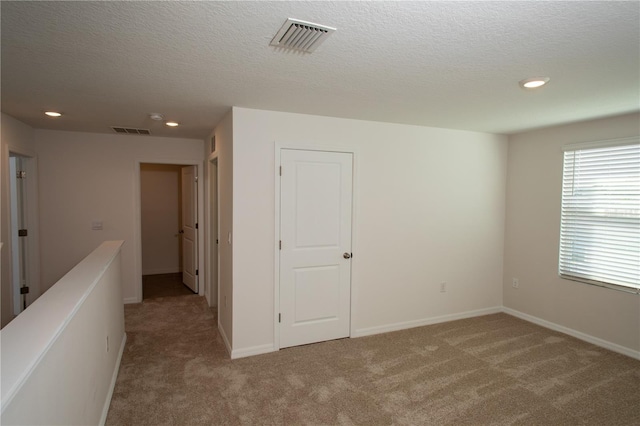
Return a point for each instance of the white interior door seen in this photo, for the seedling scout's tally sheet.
(189, 229)
(315, 229)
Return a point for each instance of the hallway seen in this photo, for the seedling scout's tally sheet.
(164, 285)
(166, 374)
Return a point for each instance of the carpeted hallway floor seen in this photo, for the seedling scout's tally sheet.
(494, 369)
(164, 285)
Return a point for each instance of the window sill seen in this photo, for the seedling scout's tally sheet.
(617, 287)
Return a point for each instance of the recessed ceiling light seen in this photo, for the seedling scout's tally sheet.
(172, 124)
(155, 116)
(53, 113)
(534, 82)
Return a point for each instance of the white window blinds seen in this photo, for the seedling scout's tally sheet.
(600, 224)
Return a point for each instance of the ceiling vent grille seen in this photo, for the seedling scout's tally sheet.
(301, 35)
(131, 131)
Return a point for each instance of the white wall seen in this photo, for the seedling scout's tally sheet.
(532, 237)
(160, 214)
(429, 207)
(224, 140)
(60, 357)
(16, 137)
(87, 176)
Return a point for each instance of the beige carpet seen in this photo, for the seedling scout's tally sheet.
(494, 369)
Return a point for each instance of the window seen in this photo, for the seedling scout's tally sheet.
(600, 223)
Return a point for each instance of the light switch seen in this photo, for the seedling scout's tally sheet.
(96, 225)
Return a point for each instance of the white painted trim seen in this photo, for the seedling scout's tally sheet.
(130, 300)
(253, 350)
(33, 220)
(425, 321)
(574, 333)
(256, 350)
(276, 257)
(278, 147)
(137, 228)
(213, 157)
(161, 271)
(112, 386)
(224, 338)
(355, 204)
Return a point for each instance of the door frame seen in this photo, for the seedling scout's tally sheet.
(212, 299)
(137, 232)
(32, 195)
(278, 147)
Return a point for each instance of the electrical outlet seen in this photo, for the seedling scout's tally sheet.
(443, 287)
(515, 283)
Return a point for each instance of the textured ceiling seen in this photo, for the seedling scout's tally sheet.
(442, 64)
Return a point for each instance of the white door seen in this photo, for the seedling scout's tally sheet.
(189, 229)
(315, 230)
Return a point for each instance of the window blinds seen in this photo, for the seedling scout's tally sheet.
(600, 223)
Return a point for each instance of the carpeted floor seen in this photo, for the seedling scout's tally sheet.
(163, 285)
(494, 369)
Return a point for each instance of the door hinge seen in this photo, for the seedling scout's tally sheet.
(280, 170)
(280, 245)
(21, 174)
(22, 232)
(196, 226)
(279, 317)
(197, 272)
(217, 242)
(24, 290)
(196, 178)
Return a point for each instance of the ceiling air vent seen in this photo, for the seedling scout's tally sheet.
(131, 131)
(301, 35)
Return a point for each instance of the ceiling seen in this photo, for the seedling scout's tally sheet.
(440, 64)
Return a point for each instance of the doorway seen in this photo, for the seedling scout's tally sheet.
(19, 233)
(22, 243)
(168, 218)
(315, 246)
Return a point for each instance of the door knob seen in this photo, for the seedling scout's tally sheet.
(347, 255)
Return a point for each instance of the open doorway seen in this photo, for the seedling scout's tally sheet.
(19, 233)
(168, 211)
(23, 233)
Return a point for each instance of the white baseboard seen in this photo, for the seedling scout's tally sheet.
(112, 386)
(425, 321)
(253, 350)
(128, 300)
(159, 271)
(224, 339)
(262, 349)
(574, 333)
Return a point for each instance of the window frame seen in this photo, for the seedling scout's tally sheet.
(578, 147)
